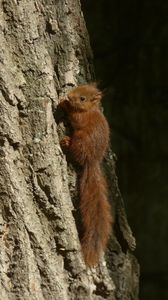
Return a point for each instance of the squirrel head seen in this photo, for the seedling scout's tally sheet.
(84, 97)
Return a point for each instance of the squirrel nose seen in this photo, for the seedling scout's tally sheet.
(69, 98)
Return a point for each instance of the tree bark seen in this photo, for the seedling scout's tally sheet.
(44, 52)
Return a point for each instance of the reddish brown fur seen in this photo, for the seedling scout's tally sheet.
(88, 145)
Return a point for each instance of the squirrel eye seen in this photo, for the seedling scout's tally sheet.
(82, 98)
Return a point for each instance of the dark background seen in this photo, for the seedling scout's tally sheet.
(130, 44)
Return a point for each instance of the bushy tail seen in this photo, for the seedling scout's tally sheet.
(95, 212)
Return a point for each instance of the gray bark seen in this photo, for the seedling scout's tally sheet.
(44, 51)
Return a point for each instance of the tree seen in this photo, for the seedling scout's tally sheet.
(45, 51)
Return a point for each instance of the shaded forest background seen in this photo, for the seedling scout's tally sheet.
(130, 41)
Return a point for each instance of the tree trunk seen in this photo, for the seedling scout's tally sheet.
(44, 51)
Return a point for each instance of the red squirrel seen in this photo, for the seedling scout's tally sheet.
(87, 146)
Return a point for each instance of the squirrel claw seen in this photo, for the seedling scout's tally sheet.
(61, 99)
(65, 142)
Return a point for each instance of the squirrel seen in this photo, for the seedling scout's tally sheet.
(87, 146)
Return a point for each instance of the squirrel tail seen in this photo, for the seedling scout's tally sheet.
(95, 212)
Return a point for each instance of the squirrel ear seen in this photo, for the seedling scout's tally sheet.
(93, 83)
(97, 97)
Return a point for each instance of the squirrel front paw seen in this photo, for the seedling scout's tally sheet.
(65, 142)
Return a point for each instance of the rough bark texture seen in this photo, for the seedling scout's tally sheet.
(44, 51)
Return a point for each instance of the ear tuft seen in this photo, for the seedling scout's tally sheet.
(93, 83)
(97, 96)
